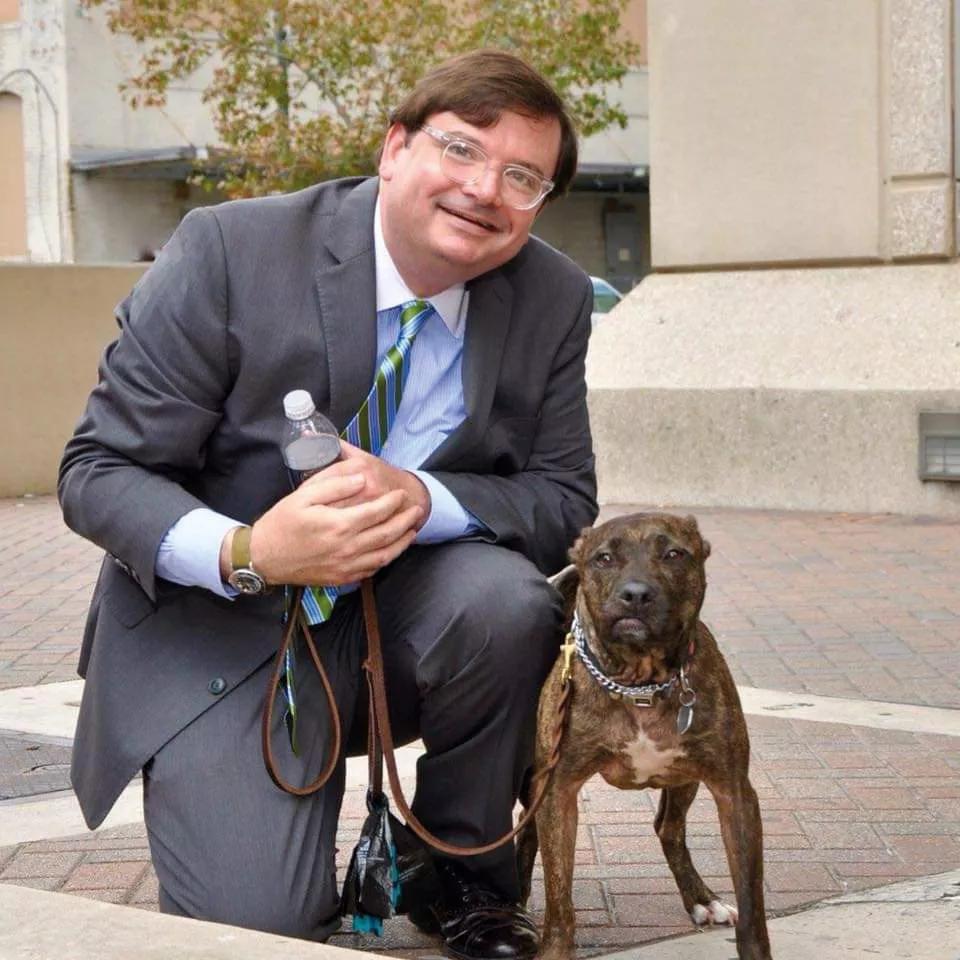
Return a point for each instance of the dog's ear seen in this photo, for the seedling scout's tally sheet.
(691, 521)
(566, 583)
(573, 554)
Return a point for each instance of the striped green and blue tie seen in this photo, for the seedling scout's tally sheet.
(367, 430)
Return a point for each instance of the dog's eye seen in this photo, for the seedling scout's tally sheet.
(603, 559)
(675, 553)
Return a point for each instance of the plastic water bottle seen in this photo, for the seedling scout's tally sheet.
(310, 442)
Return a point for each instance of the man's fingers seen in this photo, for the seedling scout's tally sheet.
(350, 452)
(385, 534)
(368, 564)
(329, 487)
(374, 512)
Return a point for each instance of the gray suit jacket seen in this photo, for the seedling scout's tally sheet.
(247, 301)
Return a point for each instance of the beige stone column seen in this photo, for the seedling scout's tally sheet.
(800, 131)
(919, 103)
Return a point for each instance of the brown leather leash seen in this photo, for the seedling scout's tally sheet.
(380, 745)
(295, 620)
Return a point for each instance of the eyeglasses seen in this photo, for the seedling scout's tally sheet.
(465, 162)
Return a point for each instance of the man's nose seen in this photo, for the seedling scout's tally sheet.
(486, 188)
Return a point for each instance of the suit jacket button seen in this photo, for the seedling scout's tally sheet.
(217, 686)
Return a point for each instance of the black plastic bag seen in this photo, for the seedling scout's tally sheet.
(390, 870)
(371, 890)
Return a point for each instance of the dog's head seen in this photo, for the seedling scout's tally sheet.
(640, 579)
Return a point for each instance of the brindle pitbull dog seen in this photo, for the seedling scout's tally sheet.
(653, 705)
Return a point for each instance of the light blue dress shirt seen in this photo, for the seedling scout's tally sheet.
(431, 409)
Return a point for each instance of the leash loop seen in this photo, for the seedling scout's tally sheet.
(294, 620)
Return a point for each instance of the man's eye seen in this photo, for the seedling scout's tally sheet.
(522, 179)
(462, 151)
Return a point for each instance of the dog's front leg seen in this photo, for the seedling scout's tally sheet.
(703, 905)
(557, 830)
(742, 830)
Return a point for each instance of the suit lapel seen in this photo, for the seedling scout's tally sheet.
(347, 293)
(488, 321)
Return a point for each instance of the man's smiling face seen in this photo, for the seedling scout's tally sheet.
(440, 232)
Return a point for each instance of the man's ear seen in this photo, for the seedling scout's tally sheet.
(397, 139)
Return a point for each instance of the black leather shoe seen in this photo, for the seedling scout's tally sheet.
(475, 922)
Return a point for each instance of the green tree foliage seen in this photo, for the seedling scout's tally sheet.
(301, 89)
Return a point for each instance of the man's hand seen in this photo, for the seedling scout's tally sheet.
(380, 478)
(331, 531)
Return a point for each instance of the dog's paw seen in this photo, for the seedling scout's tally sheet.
(714, 913)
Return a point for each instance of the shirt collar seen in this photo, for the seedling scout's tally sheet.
(392, 291)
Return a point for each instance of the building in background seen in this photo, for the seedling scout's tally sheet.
(798, 343)
(85, 178)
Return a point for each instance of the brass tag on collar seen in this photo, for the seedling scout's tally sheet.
(567, 648)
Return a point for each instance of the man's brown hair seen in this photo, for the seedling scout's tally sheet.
(478, 87)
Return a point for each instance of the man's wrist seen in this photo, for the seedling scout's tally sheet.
(236, 562)
(226, 547)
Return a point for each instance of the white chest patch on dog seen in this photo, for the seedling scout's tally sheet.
(646, 760)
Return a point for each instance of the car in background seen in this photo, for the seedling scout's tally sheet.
(605, 297)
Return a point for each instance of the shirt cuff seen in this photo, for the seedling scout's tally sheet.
(448, 520)
(189, 553)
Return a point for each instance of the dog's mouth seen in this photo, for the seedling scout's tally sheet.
(629, 630)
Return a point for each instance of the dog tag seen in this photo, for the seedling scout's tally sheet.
(685, 714)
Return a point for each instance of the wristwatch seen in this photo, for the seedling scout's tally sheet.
(242, 575)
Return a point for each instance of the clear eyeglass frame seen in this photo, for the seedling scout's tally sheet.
(466, 162)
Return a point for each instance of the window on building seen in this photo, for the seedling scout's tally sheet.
(13, 210)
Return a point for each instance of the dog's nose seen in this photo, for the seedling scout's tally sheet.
(636, 592)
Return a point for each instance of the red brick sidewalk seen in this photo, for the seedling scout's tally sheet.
(844, 808)
(861, 607)
(841, 605)
(46, 576)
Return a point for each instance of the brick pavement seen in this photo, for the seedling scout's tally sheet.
(844, 808)
(862, 607)
(840, 605)
(46, 576)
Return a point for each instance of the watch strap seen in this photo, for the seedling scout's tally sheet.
(240, 549)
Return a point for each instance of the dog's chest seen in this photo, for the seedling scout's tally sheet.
(641, 757)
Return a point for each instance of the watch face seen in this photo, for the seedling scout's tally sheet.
(246, 581)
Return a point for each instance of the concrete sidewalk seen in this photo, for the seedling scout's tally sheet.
(843, 633)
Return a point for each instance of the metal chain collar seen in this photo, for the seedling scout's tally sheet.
(641, 696)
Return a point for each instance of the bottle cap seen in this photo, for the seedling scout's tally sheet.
(298, 405)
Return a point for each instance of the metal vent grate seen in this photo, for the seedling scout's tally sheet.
(942, 455)
(940, 446)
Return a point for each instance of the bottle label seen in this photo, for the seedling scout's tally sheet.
(310, 454)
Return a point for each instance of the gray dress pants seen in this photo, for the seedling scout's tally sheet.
(469, 631)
